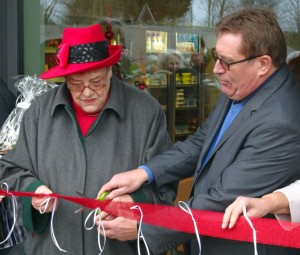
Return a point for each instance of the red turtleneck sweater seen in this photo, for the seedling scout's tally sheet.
(85, 119)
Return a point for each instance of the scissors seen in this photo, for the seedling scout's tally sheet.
(83, 208)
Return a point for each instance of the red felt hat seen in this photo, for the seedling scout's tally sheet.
(83, 49)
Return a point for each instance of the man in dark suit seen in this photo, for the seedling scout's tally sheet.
(7, 102)
(250, 143)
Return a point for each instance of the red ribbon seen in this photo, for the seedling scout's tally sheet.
(268, 231)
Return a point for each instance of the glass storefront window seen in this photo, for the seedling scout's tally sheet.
(166, 47)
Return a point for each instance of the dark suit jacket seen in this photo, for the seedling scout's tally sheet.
(258, 153)
(7, 102)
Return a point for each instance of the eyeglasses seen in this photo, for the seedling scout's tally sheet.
(226, 65)
(78, 86)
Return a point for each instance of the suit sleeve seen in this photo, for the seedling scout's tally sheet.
(158, 140)
(180, 161)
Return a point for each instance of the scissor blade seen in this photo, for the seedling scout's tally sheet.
(83, 208)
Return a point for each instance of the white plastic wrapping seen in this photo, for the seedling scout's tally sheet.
(30, 88)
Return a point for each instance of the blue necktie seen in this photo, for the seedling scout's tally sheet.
(232, 113)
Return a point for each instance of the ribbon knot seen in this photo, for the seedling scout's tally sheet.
(62, 54)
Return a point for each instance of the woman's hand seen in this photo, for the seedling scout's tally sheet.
(37, 202)
(276, 203)
(255, 207)
(119, 228)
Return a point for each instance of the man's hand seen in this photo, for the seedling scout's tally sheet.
(1, 198)
(37, 201)
(124, 183)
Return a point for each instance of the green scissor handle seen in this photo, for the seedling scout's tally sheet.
(102, 196)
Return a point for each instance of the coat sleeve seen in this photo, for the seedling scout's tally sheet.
(292, 192)
(18, 168)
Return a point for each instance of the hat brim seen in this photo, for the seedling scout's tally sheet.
(58, 71)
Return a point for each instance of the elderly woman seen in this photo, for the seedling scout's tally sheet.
(74, 138)
(171, 61)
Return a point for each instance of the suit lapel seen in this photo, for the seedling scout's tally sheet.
(215, 124)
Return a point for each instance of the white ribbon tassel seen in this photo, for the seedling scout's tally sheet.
(15, 209)
(95, 213)
(46, 201)
(188, 211)
(254, 231)
(140, 233)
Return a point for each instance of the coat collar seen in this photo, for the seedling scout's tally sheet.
(115, 102)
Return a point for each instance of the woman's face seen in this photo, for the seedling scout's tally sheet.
(90, 89)
(173, 63)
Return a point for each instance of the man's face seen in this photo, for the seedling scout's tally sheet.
(90, 89)
(242, 78)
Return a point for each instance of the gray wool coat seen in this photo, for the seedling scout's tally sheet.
(129, 131)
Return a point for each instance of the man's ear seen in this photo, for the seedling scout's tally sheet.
(265, 62)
